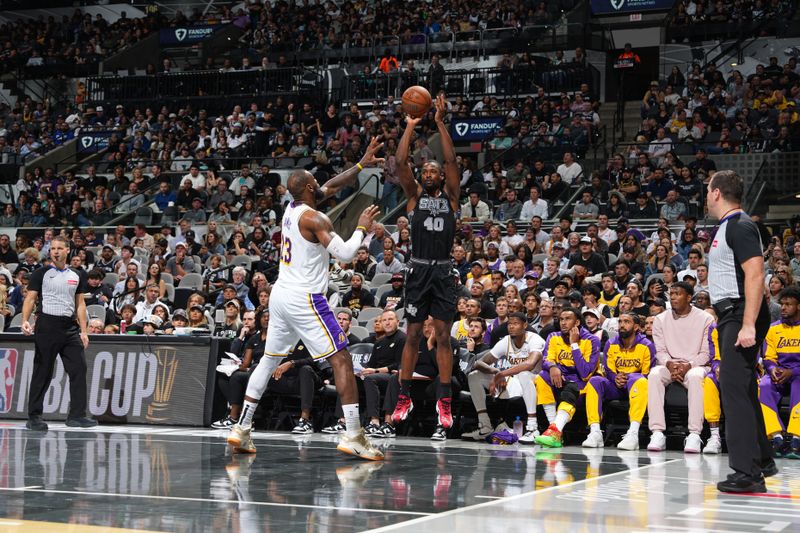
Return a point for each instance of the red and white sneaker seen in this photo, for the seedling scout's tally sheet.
(402, 409)
(445, 413)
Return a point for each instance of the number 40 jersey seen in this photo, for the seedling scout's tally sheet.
(433, 227)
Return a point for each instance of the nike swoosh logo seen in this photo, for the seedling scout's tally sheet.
(356, 452)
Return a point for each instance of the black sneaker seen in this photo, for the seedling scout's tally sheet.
(335, 429)
(386, 431)
(778, 446)
(371, 430)
(225, 423)
(82, 422)
(35, 423)
(303, 427)
(769, 468)
(440, 433)
(742, 483)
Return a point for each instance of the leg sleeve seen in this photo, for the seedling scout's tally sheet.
(260, 376)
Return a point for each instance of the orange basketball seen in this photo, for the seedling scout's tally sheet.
(416, 101)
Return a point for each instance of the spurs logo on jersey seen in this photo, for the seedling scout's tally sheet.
(434, 205)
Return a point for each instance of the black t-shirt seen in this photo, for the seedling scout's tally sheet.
(388, 351)
(358, 301)
(594, 264)
(426, 364)
(257, 345)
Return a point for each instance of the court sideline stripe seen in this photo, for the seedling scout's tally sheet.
(212, 500)
(416, 521)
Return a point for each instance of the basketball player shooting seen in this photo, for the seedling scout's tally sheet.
(430, 287)
(298, 308)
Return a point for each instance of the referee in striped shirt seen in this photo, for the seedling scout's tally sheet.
(60, 329)
(736, 286)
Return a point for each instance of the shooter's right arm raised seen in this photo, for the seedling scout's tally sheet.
(406, 176)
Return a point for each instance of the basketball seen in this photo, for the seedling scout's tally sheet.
(416, 101)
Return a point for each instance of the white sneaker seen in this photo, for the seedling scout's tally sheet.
(692, 444)
(529, 437)
(629, 442)
(594, 440)
(658, 442)
(241, 440)
(359, 446)
(479, 434)
(713, 446)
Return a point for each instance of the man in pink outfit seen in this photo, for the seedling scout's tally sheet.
(680, 336)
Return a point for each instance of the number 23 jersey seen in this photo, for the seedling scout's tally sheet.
(304, 264)
(433, 227)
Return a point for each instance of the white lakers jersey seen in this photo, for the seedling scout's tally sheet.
(508, 355)
(304, 264)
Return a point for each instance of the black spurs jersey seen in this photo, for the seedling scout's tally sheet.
(433, 227)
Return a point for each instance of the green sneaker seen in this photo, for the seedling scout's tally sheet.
(550, 438)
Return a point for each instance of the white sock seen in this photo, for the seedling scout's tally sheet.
(594, 428)
(715, 432)
(550, 412)
(248, 410)
(562, 417)
(484, 420)
(351, 419)
(634, 427)
(531, 424)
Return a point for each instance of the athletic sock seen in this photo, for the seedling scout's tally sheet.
(550, 412)
(405, 387)
(352, 421)
(562, 417)
(248, 410)
(594, 428)
(445, 390)
(634, 427)
(531, 424)
(715, 432)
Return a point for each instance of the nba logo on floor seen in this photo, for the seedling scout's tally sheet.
(8, 369)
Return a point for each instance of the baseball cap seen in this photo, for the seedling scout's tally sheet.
(108, 246)
(180, 313)
(196, 306)
(594, 312)
(234, 302)
(531, 274)
(558, 245)
(190, 234)
(689, 275)
(561, 282)
(182, 244)
(492, 245)
(657, 301)
(476, 263)
(703, 235)
(230, 286)
(575, 295)
(397, 277)
(152, 319)
(586, 240)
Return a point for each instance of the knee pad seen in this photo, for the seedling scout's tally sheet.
(570, 393)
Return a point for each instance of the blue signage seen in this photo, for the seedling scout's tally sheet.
(93, 142)
(610, 7)
(187, 35)
(475, 129)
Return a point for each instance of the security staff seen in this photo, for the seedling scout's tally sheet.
(736, 286)
(60, 329)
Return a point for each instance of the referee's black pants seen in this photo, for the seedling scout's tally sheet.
(54, 335)
(748, 446)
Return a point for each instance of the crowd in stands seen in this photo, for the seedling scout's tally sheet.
(692, 12)
(277, 28)
(704, 109)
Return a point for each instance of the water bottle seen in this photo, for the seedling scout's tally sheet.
(518, 427)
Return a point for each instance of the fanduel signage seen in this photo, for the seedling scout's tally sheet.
(610, 7)
(188, 35)
(93, 142)
(143, 383)
(475, 129)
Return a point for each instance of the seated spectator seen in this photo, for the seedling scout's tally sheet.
(570, 171)
(357, 298)
(393, 299)
(179, 264)
(475, 210)
(683, 356)
(511, 208)
(586, 208)
(507, 371)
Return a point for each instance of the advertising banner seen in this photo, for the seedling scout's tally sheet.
(611, 7)
(93, 141)
(188, 35)
(475, 129)
(155, 381)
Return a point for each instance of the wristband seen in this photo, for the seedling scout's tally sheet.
(575, 346)
(362, 228)
(360, 166)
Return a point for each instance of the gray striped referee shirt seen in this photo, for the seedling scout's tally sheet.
(736, 241)
(57, 289)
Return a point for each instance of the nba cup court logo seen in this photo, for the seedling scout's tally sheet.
(167, 361)
(8, 369)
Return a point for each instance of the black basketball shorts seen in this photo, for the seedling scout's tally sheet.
(429, 290)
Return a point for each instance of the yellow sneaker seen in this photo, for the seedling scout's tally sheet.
(241, 440)
(360, 447)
